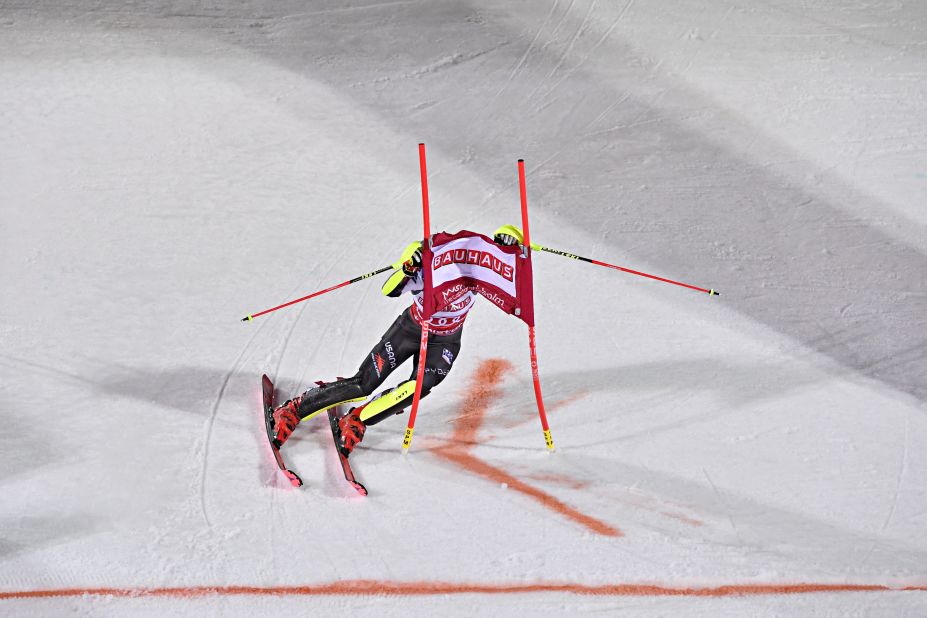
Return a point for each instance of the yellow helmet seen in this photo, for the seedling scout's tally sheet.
(410, 250)
(508, 230)
(407, 253)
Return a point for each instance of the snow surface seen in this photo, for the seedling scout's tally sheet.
(167, 167)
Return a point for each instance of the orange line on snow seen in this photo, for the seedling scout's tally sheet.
(481, 393)
(480, 467)
(484, 389)
(394, 588)
(560, 479)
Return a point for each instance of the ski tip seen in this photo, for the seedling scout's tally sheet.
(360, 488)
(295, 480)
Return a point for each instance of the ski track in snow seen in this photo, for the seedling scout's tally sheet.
(533, 94)
(723, 503)
(902, 471)
(605, 36)
(213, 413)
(524, 57)
(580, 29)
(217, 400)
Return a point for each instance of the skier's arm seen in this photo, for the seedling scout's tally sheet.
(411, 265)
(395, 284)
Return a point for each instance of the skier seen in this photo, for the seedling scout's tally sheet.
(400, 342)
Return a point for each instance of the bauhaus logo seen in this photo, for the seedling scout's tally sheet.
(483, 259)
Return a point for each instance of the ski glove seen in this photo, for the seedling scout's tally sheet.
(508, 235)
(505, 239)
(413, 264)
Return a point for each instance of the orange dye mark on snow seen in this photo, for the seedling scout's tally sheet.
(393, 588)
(560, 479)
(484, 389)
(683, 518)
(477, 466)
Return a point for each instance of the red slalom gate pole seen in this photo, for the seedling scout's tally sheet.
(548, 440)
(427, 308)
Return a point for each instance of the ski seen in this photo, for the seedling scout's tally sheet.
(268, 389)
(333, 417)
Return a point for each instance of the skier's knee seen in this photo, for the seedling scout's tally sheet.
(433, 377)
(367, 381)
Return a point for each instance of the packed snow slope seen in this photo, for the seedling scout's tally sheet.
(168, 167)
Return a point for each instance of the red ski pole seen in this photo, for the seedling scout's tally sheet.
(427, 308)
(531, 338)
(248, 318)
(537, 247)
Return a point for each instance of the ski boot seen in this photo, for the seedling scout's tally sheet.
(352, 429)
(286, 418)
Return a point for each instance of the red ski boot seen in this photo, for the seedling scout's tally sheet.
(286, 418)
(352, 429)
